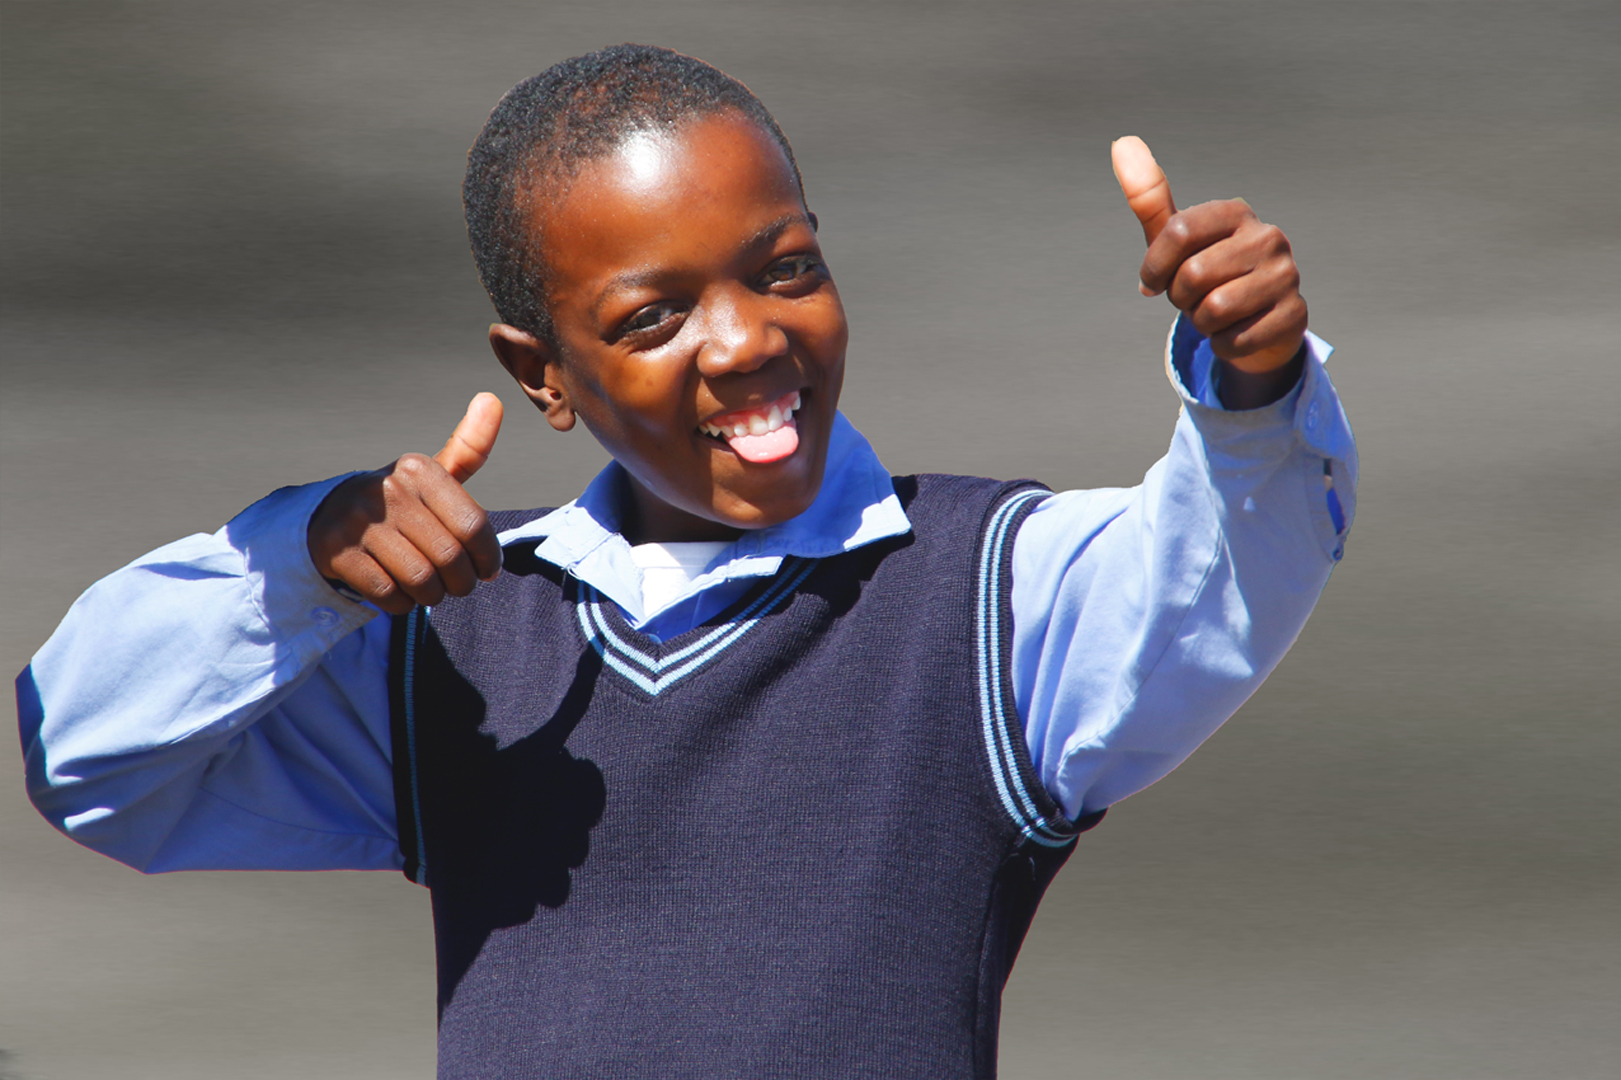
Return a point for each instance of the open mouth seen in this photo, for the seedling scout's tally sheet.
(761, 435)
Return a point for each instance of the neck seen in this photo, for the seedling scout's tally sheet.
(650, 520)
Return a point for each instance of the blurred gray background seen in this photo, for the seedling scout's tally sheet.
(234, 259)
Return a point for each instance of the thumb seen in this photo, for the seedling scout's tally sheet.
(469, 446)
(1143, 181)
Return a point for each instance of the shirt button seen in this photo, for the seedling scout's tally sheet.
(325, 616)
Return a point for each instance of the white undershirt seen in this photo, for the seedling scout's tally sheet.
(667, 569)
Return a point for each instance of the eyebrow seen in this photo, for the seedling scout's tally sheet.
(763, 236)
(768, 233)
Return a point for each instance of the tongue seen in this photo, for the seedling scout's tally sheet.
(764, 449)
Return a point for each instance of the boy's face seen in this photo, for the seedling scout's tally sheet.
(687, 287)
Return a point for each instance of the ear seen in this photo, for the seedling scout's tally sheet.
(538, 369)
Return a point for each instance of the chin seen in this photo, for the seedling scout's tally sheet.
(742, 512)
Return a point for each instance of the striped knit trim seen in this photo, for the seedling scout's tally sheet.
(413, 630)
(1000, 721)
(654, 674)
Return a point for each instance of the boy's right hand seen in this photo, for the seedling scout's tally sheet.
(408, 533)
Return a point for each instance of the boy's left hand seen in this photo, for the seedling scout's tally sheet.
(1234, 276)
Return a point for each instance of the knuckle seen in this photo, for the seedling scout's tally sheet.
(1177, 229)
(352, 565)
(444, 552)
(1187, 290)
(417, 575)
(470, 524)
(394, 486)
(412, 466)
(489, 558)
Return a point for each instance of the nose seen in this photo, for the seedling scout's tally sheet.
(741, 335)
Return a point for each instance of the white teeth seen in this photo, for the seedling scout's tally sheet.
(754, 423)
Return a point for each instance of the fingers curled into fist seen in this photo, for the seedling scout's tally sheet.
(1235, 277)
(409, 533)
(1233, 274)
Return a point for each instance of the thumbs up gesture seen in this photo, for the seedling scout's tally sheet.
(1233, 275)
(409, 533)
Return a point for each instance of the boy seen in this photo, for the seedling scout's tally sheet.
(753, 760)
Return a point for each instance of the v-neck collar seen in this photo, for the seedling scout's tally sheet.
(655, 666)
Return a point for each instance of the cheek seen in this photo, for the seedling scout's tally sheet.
(825, 330)
(839, 327)
(638, 402)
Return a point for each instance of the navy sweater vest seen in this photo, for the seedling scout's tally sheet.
(804, 840)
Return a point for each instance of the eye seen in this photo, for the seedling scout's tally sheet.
(795, 268)
(651, 318)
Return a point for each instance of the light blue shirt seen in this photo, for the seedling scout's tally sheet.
(217, 705)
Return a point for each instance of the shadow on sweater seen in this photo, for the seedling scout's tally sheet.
(518, 824)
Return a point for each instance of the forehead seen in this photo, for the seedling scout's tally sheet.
(666, 199)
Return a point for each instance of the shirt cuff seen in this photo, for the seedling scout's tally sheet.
(1308, 418)
(1311, 405)
(297, 603)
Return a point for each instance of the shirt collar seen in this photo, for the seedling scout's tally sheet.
(856, 506)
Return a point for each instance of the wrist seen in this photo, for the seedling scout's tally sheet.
(299, 609)
(1241, 387)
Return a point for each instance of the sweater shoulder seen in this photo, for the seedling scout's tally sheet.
(945, 503)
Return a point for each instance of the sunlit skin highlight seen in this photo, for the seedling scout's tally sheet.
(686, 283)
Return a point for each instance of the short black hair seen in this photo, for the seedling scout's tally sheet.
(547, 126)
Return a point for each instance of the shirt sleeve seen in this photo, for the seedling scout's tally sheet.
(216, 704)
(1144, 617)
